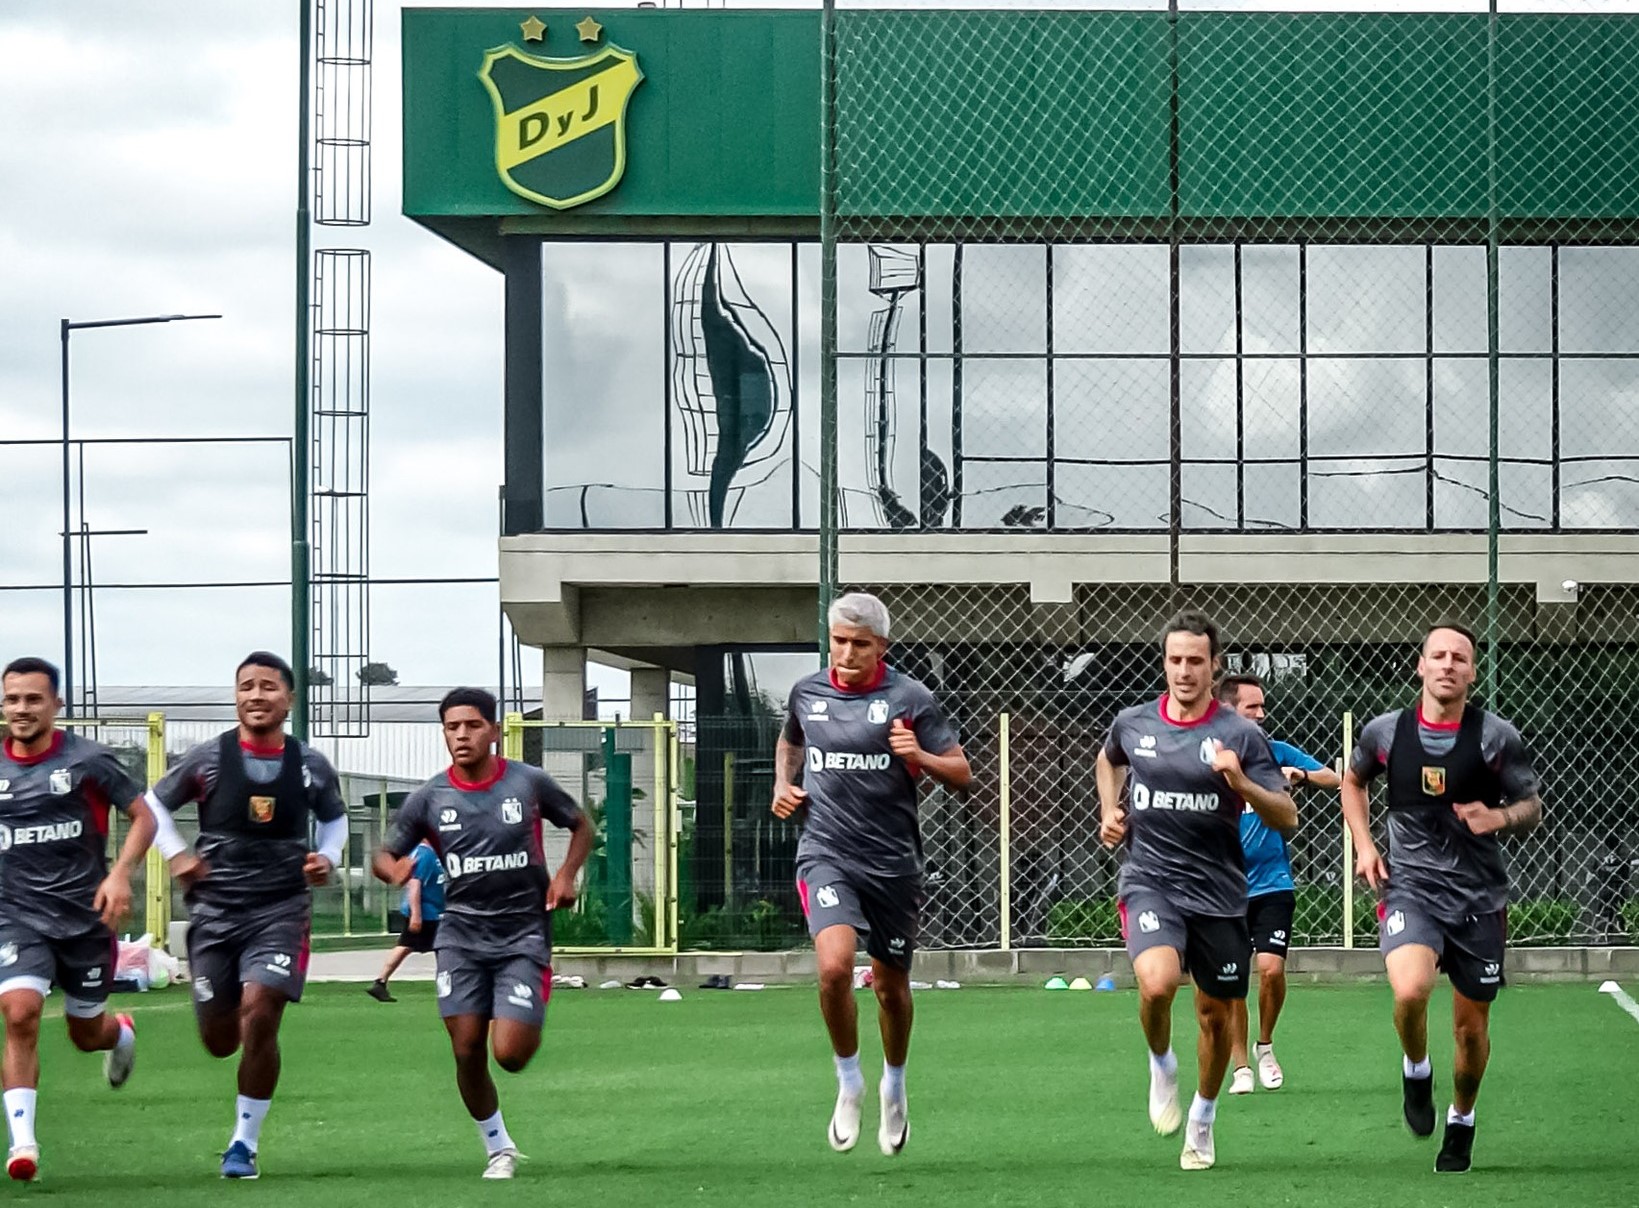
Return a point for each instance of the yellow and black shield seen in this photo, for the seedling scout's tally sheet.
(261, 809)
(560, 124)
(1434, 781)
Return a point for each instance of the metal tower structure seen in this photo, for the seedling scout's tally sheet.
(338, 449)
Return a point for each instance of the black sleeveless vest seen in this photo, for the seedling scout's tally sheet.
(1418, 780)
(237, 806)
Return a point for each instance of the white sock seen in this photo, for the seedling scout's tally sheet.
(20, 1115)
(1259, 1049)
(494, 1135)
(893, 1081)
(1166, 1063)
(127, 1036)
(1453, 1116)
(849, 1077)
(248, 1116)
(1202, 1111)
(1417, 1069)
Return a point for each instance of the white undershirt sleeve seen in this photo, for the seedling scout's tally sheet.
(167, 838)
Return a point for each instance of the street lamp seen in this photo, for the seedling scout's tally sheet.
(68, 326)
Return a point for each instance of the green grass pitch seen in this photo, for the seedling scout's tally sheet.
(1018, 1097)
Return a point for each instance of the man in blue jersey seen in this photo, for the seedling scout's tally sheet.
(1270, 894)
(417, 916)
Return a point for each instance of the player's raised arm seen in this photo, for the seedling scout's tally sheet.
(927, 742)
(1254, 779)
(394, 861)
(1111, 778)
(789, 797)
(113, 899)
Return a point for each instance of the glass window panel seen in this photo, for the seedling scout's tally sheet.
(1111, 298)
(1366, 299)
(1206, 300)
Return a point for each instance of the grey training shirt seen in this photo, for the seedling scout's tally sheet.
(1183, 822)
(1432, 858)
(489, 837)
(862, 798)
(53, 831)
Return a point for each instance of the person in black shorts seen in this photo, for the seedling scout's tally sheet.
(484, 816)
(1190, 766)
(861, 734)
(1271, 895)
(58, 897)
(1459, 778)
(417, 919)
(258, 791)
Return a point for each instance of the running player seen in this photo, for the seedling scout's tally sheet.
(58, 898)
(1459, 778)
(1194, 766)
(420, 911)
(865, 733)
(494, 946)
(249, 909)
(1271, 895)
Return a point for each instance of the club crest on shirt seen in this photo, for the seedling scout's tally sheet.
(261, 809)
(1434, 781)
(62, 782)
(1209, 752)
(512, 810)
(877, 712)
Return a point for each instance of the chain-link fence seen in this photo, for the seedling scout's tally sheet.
(1322, 322)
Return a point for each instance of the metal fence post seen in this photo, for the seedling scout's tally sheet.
(512, 736)
(1004, 802)
(158, 895)
(1348, 842)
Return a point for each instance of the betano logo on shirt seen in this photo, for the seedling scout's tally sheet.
(848, 761)
(466, 866)
(50, 832)
(1158, 799)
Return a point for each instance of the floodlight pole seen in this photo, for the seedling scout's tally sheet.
(68, 327)
(301, 593)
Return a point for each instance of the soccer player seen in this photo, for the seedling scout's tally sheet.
(865, 733)
(421, 909)
(249, 910)
(1270, 893)
(58, 898)
(494, 946)
(1194, 766)
(1459, 778)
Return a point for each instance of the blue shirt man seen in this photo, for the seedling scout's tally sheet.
(426, 869)
(421, 907)
(1268, 866)
(1271, 894)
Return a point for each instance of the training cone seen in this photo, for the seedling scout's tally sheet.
(670, 996)
(1104, 983)
(1056, 983)
(1081, 983)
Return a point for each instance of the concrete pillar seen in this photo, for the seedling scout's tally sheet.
(563, 683)
(651, 694)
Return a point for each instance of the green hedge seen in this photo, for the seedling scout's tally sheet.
(1090, 921)
(1542, 922)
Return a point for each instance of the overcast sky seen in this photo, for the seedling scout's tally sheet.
(146, 168)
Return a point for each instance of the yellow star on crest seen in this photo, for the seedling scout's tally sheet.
(589, 30)
(534, 29)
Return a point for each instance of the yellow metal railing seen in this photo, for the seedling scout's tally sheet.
(662, 744)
